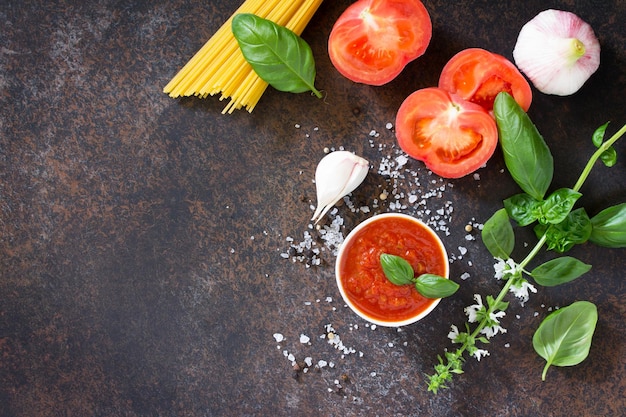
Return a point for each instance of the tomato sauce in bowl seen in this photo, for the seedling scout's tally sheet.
(360, 277)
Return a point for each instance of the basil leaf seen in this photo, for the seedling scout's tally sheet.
(564, 337)
(608, 228)
(609, 156)
(558, 205)
(559, 271)
(522, 208)
(526, 154)
(574, 230)
(598, 136)
(435, 286)
(397, 269)
(498, 236)
(278, 55)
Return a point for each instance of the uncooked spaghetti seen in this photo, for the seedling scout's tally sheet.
(219, 66)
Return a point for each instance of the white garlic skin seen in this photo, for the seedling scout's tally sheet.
(337, 175)
(557, 51)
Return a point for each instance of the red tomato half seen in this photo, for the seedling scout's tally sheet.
(478, 76)
(453, 137)
(373, 40)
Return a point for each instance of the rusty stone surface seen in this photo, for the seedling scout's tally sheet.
(141, 236)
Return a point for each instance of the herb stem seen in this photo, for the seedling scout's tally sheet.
(606, 145)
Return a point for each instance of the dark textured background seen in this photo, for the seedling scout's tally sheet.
(141, 236)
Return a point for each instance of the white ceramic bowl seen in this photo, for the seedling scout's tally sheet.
(358, 232)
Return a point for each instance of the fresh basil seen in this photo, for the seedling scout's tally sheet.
(558, 205)
(574, 230)
(397, 269)
(435, 286)
(608, 228)
(564, 337)
(559, 271)
(522, 208)
(278, 55)
(609, 156)
(400, 272)
(526, 154)
(498, 236)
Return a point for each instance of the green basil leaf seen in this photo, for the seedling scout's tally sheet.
(526, 154)
(435, 286)
(397, 269)
(278, 55)
(608, 228)
(564, 337)
(559, 271)
(609, 156)
(558, 205)
(574, 230)
(598, 136)
(522, 208)
(498, 236)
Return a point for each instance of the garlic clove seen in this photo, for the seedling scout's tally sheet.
(557, 51)
(337, 175)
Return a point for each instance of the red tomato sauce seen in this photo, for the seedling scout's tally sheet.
(362, 276)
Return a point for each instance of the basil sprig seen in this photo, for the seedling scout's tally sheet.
(400, 272)
(278, 55)
(564, 337)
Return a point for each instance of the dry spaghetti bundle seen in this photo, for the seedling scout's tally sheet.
(219, 66)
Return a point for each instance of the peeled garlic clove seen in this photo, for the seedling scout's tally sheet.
(557, 51)
(337, 175)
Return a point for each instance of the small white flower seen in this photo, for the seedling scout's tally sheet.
(499, 267)
(520, 290)
(491, 331)
(472, 310)
(454, 333)
(503, 268)
(480, 353)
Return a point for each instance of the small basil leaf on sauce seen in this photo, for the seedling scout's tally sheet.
(278, 55)
(435, 286)
(396, 269)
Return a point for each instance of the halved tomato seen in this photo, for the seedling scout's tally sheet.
(478, 76)
(373, 40)
(453, 137)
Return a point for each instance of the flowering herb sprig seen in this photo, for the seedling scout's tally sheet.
(564, 337)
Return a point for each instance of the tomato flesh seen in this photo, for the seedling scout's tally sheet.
(478, 76)
(373, 40)
(452, 136)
